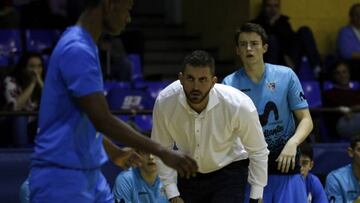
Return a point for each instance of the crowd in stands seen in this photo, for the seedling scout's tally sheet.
(295, 49)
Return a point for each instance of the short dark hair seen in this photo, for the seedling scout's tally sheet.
(200, 58)
(352, 10)
(354, 140)
(306, 150)
(251, 27)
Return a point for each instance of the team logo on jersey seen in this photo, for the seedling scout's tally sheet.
(271, 86)
(269, 107)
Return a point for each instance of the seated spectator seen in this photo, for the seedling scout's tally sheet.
(140, 184)
(342, 185)
(348, 41)
(345, 122)
(22, 91)
(285, 46)
(314, 189)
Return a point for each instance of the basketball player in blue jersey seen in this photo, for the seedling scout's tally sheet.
(74, 116)
(278, 97)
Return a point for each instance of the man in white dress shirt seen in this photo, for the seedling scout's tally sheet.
(219, 127)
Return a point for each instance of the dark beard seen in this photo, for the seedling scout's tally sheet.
(188, 98)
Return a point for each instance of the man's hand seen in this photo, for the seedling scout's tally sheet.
(176, 200)
(287, 157)
(185, 165)
(39, 80)
(122, 157)
(126, 158)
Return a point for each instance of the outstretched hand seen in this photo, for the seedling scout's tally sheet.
(182, 163)
(287, 157)
(126, 158)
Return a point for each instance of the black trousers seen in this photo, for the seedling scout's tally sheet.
(224, 185)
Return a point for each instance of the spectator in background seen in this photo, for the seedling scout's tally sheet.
(345, 122)
(286, 47)
(140, 184)
(22, 91)
(348, 41)
(314, 189)
(9, 16)
(342, 185)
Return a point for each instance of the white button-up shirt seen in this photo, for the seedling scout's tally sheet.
(227, 130)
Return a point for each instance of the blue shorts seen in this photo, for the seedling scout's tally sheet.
(283, 189)
(54, 184)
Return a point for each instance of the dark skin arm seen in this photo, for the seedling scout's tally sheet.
(123, 157)
(96, 108)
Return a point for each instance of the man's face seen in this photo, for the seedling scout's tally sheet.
(306, 165)
(35, 65)
(342, 74)
(272, 8)
(118, 16)
(355, 19)
(250, 48)
(355, 154)
(197, 83)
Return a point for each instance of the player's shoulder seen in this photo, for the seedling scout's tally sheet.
(342, 172)
(170, 91)
(279, 69)
(283, 73)
(233, 76)
(75, 41)
(125, 176)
